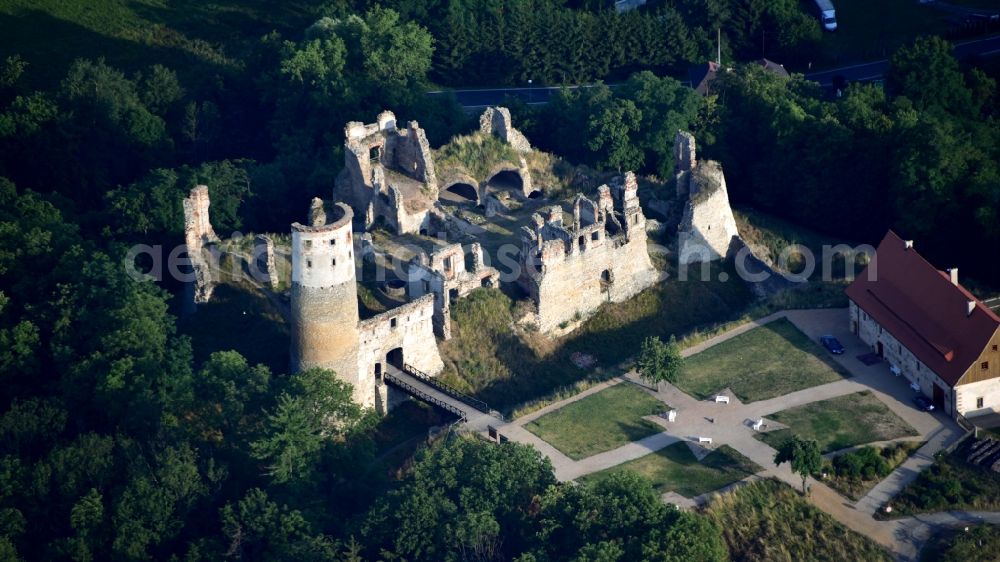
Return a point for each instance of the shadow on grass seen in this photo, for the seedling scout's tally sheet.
(506, 372)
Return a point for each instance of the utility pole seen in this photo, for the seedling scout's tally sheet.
(718, 58)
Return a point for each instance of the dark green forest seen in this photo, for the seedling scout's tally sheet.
(116, 444)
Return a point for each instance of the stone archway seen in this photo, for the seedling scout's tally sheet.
(506, 180)
(462, 192)
(395, 357)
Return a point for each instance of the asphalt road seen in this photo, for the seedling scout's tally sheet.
(875, 70)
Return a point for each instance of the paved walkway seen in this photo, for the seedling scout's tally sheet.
(731, 424)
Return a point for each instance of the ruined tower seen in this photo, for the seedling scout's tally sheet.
(324, 302)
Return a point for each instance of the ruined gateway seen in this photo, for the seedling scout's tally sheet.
(568, 267)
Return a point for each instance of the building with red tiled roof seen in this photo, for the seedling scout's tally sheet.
(929, 328)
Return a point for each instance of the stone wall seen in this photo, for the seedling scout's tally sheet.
(404, 334)
(372, 186)
(324, 300)
(265, 270)
(198, 233)
(444, 274)
(570, 271)
(496, 121)
(707, 225)
(896, 354)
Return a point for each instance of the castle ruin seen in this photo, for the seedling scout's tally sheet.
(569, 271)
(198, 233)
(389, 174)
(327, 331)
(449, 273)
(707, 226)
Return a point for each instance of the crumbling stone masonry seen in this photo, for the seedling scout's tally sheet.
(197, 233)
(602, 257)
(496, 121)
(707, 226)
(326, 327)
(265, 269)
(445, 275)
(388, 174)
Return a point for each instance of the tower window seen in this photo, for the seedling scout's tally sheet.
(333, 262)
(392, 323)
(309, 263)
(333, 241)
(979, 402)
(309, 244)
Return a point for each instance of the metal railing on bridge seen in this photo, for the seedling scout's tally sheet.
(390, 378)
(451, 391)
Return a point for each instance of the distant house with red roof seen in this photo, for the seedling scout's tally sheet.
(929, 328)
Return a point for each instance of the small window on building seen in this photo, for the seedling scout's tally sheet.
(333, 262)
(333, 241)
(581, 241)
(309, 244)
(392, 323)
(994, 348)
(985, 365)
(595, 236)
(309, 263)
(979, 402)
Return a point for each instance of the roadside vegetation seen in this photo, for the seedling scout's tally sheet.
(600, 422)
(768, 361)
(854, 473)
(840, 422)
(950, 483)
(768, 520)
(675, 468)
(979, 543)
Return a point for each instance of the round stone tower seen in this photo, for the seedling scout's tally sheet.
(324, 294)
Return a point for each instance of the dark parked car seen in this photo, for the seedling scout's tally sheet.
(831, 344)
(923, 403)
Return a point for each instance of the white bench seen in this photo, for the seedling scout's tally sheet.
(757, 425)
(722, 399)
(672, 416)
(707, 440)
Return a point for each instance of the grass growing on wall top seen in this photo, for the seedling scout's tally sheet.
(476, 154)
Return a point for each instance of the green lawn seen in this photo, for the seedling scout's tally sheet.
(675, 469)
(839, 422)
(765, 362)
(600, 422)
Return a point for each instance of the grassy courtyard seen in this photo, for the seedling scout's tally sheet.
(839, 422)
(600, 422)
(675, 469)
(765, 362)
